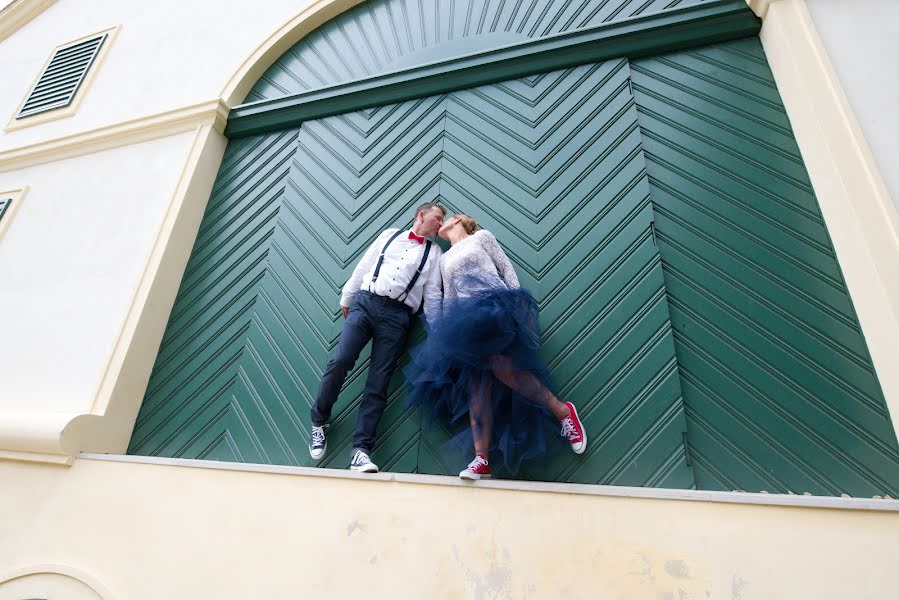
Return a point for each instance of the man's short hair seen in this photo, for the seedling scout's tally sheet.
(428, 206)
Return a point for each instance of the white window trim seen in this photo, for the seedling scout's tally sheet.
(18, 196)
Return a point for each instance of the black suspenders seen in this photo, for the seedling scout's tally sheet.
(421, 266)
(374, 277)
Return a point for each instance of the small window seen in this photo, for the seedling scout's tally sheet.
(61, 84)
(10, 203)
(62, 77)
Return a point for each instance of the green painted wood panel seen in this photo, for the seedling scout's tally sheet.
(380, 36)
(781, 394)
(552, 164)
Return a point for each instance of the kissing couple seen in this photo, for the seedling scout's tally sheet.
(478, 371)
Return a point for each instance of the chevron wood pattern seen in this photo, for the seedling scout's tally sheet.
(379, 36)
(781, 394)
(552, 164)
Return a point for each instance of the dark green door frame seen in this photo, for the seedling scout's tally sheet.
(676, 29)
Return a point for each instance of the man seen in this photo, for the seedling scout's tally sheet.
(399, 272)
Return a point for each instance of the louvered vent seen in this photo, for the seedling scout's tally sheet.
(58, 84)
(4, 204)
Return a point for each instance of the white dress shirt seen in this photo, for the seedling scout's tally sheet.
(400, 264)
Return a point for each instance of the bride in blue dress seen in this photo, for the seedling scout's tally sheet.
(479, 372)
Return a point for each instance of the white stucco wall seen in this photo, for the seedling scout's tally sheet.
(862, 41)
(167, 55)
(69, 265)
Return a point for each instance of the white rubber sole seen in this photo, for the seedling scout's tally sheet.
(369, 468)
(466, 474)
(321, 455)
(583, 431)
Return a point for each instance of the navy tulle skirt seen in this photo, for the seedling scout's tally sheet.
(457, 362)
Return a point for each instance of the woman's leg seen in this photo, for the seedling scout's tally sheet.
(527, 384)
(480, 413)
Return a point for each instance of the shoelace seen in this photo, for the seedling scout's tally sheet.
(568, 429)
(318, 436)
(361, 458)
(477, 462)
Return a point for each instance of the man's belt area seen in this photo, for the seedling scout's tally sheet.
(387, 300)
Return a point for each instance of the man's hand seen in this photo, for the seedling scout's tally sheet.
(345, 310)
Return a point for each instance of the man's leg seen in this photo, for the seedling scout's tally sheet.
(357, 330)
(388, 342)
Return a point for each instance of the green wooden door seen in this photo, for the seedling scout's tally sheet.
(552, 164)
(781, 394)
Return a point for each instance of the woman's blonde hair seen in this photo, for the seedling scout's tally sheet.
(468, 223)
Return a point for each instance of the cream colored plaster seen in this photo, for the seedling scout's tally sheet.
(220, 534)
(854, 200)
(19, 13)
(51, 582)
(73, 269)
(760, 7)
(66, 111)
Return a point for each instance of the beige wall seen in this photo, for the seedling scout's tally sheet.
(148, 531)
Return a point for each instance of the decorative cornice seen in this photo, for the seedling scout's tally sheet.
(19, 13)
(696, 25)
(214, 112)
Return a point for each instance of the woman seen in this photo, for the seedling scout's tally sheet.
(480, 358)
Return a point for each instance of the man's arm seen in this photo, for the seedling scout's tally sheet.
(354, 283)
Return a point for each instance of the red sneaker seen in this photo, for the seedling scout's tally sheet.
(573, 429)
(476, 469)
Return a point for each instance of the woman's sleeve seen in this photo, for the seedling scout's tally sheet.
(500, 260)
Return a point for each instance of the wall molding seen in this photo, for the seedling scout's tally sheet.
(134, 131)
(649, 493)
(19, 13)
(860, 216)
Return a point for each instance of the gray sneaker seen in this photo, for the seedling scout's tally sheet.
(318, 442)
(362, 463)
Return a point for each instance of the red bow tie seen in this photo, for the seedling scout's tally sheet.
(418, 238)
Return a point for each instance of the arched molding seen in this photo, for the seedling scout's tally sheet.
(82, 577)
(279, 42)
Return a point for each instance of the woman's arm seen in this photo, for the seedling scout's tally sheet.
(500, 260)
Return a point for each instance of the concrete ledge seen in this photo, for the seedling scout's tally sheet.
(875, 504)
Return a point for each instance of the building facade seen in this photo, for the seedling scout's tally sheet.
(692, 190)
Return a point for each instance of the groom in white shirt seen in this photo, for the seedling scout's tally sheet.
(399, 272)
